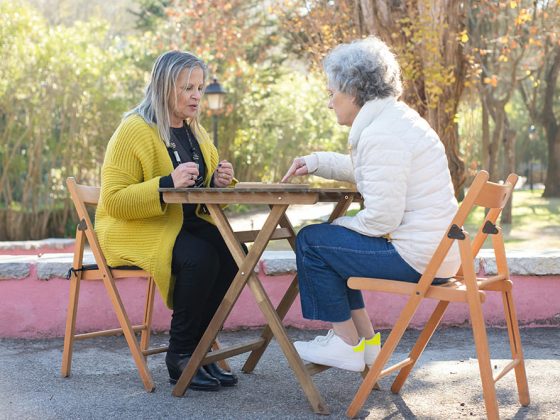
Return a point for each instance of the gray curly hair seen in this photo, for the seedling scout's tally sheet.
(365, 69)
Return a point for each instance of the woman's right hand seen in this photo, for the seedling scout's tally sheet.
(185, 175)
(298, 168)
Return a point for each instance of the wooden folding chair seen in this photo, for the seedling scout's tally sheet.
(464, 287)
(83, 196)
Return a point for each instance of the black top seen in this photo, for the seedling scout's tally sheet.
(188, 151)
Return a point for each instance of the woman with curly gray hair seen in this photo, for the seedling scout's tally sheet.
(399, 166)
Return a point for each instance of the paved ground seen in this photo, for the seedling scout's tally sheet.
(298, 215)
(105, 384)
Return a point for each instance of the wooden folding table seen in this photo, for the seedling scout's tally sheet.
(276, 226)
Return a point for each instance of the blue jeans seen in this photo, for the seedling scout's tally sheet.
(327, 255)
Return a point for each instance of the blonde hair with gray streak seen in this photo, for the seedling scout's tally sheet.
(155, 106)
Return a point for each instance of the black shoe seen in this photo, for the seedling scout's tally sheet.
(201, 381)
(225, 378)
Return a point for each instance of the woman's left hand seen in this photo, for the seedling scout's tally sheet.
(223, 175)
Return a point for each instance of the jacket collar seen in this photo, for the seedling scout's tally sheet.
(369, 112)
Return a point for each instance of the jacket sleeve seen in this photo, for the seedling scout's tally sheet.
(125, 193)
(331, 165)
(382, 170)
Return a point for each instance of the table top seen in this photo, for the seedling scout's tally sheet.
(266, 194)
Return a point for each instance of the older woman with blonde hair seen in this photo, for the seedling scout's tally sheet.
(161, 144)
(400, 168)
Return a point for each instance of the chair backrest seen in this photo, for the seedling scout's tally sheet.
(83, 195)
(482, 193)
(494, 198)
(88, 195)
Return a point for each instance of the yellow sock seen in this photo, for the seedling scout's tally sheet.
(374, 341)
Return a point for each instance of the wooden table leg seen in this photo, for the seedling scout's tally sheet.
(246, 265)
(273, 319)
(341, 207)
(276, 329)
(275, 323)
(283, 307)
(292, 291)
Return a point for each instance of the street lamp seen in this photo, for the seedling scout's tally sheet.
(215, 94)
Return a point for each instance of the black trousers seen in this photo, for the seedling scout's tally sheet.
(203, 269)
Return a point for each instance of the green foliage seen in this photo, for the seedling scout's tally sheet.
(535, 225)
(64, 87)
(151, 14)
(529, 145)
(282, 114)
(63, 90)
(62, 94)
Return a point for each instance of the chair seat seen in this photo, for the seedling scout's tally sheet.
(454, 290)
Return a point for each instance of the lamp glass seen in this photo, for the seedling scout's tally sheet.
(215, 101)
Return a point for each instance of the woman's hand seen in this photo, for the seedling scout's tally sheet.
(223, 175)
(185, 175)
(298, 168)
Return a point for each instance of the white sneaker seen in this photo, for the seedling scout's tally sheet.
(331, 350)
(372, 349)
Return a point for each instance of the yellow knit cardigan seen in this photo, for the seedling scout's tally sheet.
(134, 228)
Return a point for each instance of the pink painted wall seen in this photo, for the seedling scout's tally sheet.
(32, 308)
(537, 301)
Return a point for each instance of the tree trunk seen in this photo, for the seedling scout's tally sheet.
(552, 184)
(509, 166)
(449, 136)
(498, 114)
(485, 158)
(425, 36)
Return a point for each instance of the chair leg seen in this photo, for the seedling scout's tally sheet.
(516, 348)
(384, 355)
(128, 332)
(148, 312)
(479, 330)
(70, 324)
(221, 363)
(420, 345)
(73, 297)
(485, 367)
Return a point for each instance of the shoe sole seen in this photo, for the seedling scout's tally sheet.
(224, 384)
(228, 385)
(196, 387)
(336, 363)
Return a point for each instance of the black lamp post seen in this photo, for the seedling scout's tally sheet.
(215, 94)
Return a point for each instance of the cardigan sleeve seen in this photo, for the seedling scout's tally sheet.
(129, 187)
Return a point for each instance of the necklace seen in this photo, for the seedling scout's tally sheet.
(199, 182)
(173, 145)
(194, 153)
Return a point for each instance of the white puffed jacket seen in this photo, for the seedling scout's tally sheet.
(399, 166)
